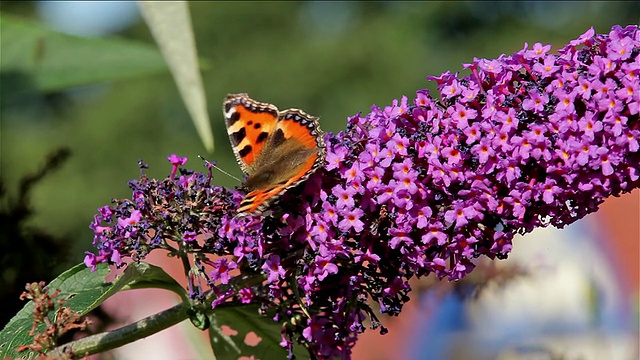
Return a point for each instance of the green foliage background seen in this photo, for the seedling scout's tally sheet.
(331, 59)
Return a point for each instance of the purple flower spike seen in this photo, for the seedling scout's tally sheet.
(422, 187)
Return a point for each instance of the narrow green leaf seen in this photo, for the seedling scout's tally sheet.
(36, 58)
(170, 24)
(243, 320)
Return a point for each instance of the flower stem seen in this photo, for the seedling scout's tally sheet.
(112, 339)
(148, 326)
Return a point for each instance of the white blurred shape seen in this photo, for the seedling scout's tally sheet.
(88, 18)
(569, 299)
(328, 18)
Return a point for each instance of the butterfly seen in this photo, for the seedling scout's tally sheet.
(276, 150)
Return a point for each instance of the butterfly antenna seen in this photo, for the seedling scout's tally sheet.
(213, 165)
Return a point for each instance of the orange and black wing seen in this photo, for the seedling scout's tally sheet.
(296, 150)
(249, 125)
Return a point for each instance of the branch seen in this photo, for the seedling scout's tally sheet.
(150, 325)
(112, 339)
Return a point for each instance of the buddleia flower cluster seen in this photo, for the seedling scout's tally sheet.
(421, 187)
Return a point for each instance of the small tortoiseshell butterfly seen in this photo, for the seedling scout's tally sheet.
(276, 150)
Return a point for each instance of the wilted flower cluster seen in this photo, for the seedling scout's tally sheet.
(166, 214)
(51, 320)
(417, 188)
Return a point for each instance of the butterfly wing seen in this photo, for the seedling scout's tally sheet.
(249, 124)
(293, 152)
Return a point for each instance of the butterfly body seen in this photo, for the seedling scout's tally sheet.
(276, 150)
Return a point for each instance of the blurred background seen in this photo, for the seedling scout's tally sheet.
(110, 100)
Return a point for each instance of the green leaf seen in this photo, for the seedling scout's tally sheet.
(243, 320)
(36, 58)
(84, 290)
(170, 24)
(143, 275)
